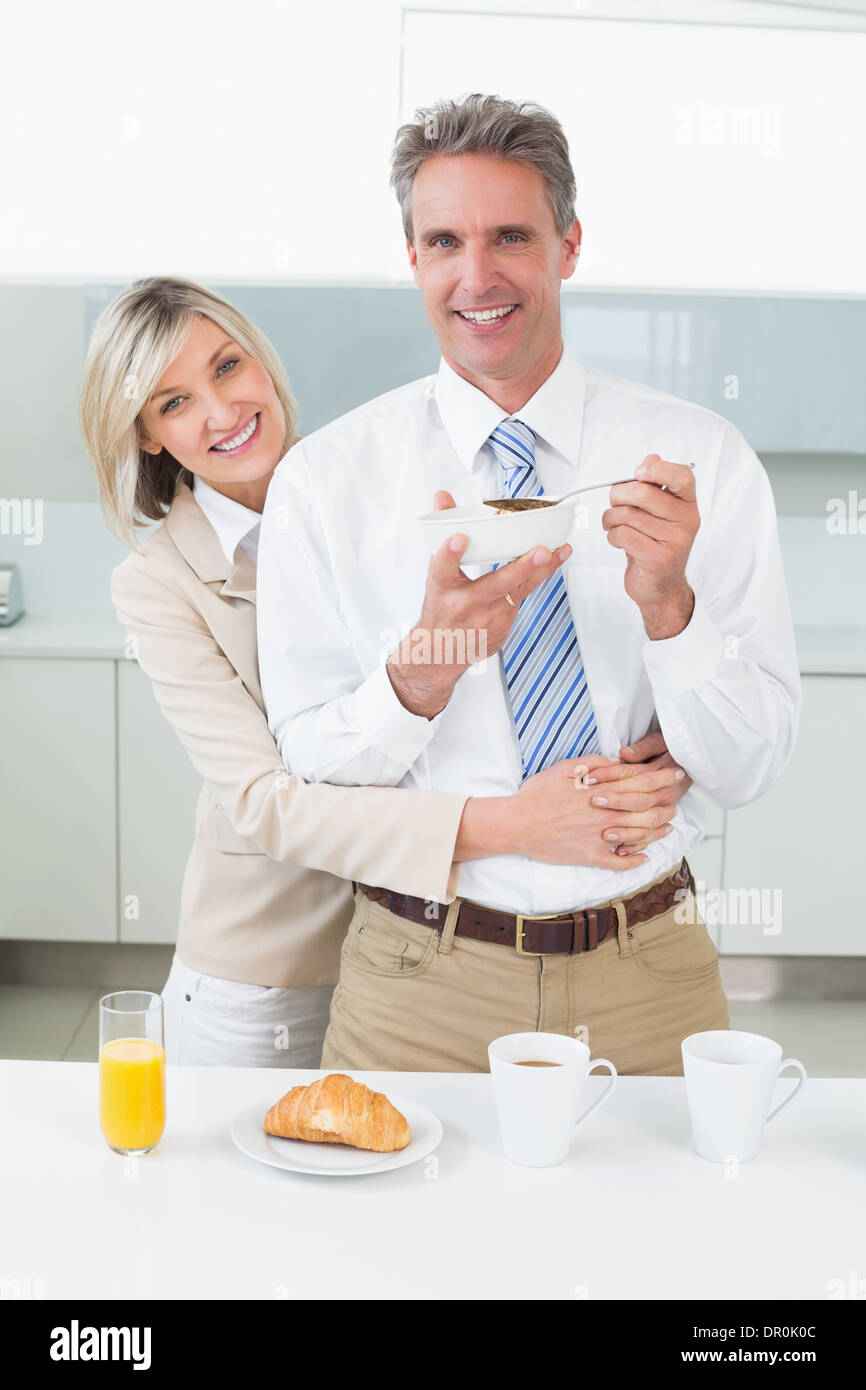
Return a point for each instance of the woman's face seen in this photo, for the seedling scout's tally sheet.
(215, 394)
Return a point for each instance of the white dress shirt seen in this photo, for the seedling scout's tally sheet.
(235, 524)
(342, 572)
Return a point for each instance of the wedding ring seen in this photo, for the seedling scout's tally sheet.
(509, 600)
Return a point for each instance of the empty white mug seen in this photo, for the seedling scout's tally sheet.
(730, 1078)
(537, 1105)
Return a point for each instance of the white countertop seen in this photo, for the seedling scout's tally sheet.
(633, 1213)
(831, 651)
(82, 633)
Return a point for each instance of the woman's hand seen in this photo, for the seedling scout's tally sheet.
(559, 823)
(565, 814)
(635, 784)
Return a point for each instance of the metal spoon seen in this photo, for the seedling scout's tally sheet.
(513, 504)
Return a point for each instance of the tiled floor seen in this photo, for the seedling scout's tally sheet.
(53, 1022)
(43, 1021)
(61, 1022)
(828, 1037)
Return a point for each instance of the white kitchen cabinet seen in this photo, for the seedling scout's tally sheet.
(705, 862)
(793, 872)
(157, 793)
(58, 822)
(714, 816)
(97, 817)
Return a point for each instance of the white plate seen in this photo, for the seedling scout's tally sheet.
(334, 1160)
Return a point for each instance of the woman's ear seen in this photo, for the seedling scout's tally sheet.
(149, 445)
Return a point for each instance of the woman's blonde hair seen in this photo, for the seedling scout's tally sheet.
(133, 341)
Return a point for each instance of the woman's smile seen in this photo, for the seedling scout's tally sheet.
(242, 441)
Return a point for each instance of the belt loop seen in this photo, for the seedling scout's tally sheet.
(591, 928)
(625, 946)
(446, 940)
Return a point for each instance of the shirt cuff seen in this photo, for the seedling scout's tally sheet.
(386, 725)
(677, 664)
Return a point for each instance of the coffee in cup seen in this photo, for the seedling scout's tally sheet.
(537, 1081)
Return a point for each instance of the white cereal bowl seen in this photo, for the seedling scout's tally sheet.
(499, 536)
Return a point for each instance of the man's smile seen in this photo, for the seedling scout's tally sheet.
(486, 320)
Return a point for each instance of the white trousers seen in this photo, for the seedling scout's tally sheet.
(211, 1022)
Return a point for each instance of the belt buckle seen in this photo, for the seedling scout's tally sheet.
(522, 917)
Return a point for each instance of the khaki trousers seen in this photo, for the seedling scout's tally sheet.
(413, 998)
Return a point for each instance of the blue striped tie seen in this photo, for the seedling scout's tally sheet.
(553, 714)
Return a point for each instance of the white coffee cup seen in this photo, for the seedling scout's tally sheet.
(537, 1106)
(730, 1078)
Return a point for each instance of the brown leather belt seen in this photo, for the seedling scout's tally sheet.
(568, 933)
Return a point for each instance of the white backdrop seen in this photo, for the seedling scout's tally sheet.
(705, 156)
(251, 142)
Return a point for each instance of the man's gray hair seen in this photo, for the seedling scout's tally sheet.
(486, 125)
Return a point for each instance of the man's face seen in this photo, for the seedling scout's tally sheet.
(485, 238)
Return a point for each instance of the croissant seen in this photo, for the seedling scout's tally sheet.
(338, 1110)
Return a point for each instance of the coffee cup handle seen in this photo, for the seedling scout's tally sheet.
(788, 1062)
(606, 1093)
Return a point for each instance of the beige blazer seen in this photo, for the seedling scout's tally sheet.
(266, 896)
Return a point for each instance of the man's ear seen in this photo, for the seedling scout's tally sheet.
(571, 243)
(413, 262)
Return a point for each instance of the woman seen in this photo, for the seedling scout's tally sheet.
(186, 411)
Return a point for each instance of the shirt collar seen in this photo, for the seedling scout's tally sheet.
(231, 520)
(555, 412)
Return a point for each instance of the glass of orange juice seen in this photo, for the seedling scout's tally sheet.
(131, 1071)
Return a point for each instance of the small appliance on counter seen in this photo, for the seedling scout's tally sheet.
(11, 608)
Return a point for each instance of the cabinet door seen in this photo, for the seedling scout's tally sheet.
(793, 874)
(58, 818)
(158, 789)
(705, 862)
(714, 816)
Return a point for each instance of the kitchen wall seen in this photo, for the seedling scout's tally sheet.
(790, 372)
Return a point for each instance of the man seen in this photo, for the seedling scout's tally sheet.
(667, 615)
